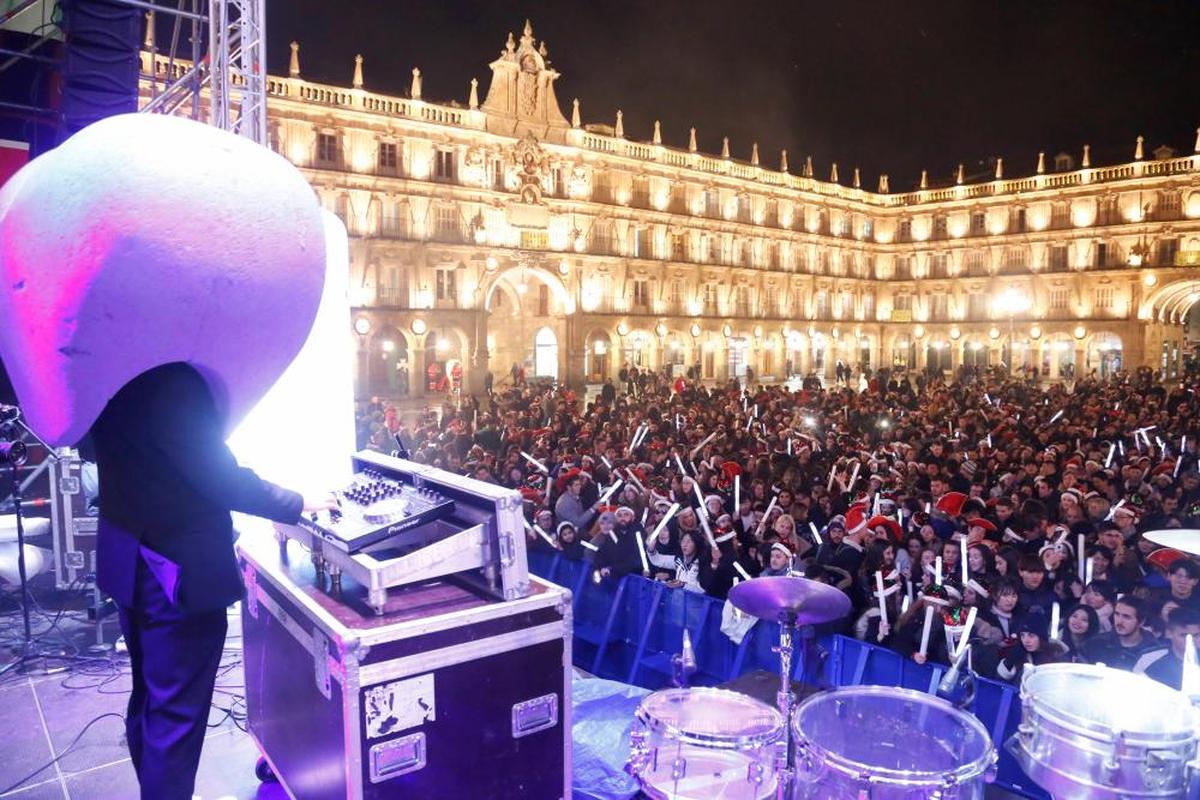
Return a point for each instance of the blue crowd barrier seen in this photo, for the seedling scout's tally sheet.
(628, 629)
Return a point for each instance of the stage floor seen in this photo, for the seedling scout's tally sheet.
(41, 719)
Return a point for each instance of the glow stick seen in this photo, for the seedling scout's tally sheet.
(756, 410)
(1057, 414)
(882, 601)
(1191, 670)
(749, 422)
(962, 544)
(633, 479)
(609, 491)
(725, 538)
(737, 493)
(937, 571)
(832, 472)
(645, 513)
(535, 462)
(1055, 612)
(700, 498)
(642, 554)
(789, 446)
(966, 634)
(679, 461)
(854, 476)
(766, 514)
(1178, 462)
(741, 570)
(606, 462)
(1088, 571)
(905, 604)
(589, 545)
(705, 441)
(1112, 448)
(613, 535)
(708, 531)
(816, 534)
(1121, 448)
(908, 595)
(1082, 557)
(925, 630)
(662, 522)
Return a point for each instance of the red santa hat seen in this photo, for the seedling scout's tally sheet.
(856, 520)
(951, 503)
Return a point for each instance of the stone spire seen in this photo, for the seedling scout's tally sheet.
(833, 175)
(958, 178)
(783, 165)
(294, 62)
(754, 154)
(999, 168)
(1041, 167)
(692, 141)
(924, 179)
(415, 91)
(575, 113)
(357, 83)
(1087, 155)
(542, 51)
(474, 101)
(657, 132)
(725, 147)
(1138, 153)
(857, 182)
(1196, 147)
(884, 188)
(619, 130)
(808, 167)
(148, 42)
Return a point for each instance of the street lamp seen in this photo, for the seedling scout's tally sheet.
(1009, 303)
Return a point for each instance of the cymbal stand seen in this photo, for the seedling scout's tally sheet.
(784, 699)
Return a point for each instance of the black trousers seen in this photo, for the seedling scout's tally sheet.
(175, 657)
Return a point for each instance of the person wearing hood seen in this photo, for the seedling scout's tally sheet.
(1033, 646)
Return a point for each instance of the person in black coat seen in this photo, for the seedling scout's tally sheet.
(164, 553)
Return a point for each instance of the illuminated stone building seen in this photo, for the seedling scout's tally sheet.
(489, 233)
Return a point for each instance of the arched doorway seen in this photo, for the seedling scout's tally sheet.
(820, 346)
(904, 354)
(1105, 354)
(974, 353)
(1058, 357)
(637, 348)
(389, 368)
(597, 358)
(794, 343)
(736, 351)
(937, 356)
(674, 354)
(545, 354)
(444, 369)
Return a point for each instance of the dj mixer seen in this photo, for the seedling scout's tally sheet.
(375, 507)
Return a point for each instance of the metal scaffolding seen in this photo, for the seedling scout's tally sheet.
(228, 65)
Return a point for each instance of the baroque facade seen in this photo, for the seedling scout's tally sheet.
(498, 232)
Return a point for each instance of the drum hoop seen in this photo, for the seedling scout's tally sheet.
(970, 771)
(715, 741)
(1092, 729)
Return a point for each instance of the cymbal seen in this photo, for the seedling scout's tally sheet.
(809, 602)
(1185, 539)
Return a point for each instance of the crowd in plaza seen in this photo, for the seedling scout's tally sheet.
(983, 505)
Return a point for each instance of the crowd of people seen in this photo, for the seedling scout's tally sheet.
(985, 506)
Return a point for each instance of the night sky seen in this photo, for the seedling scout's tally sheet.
(891, 86)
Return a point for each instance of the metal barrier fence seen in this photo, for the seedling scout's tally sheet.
(628, 630)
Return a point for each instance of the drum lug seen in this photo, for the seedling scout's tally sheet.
(638, 755)
(678, 768)
(1159, 766)
(755, 772)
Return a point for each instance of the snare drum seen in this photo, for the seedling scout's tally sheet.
(697, 744)
(883, 743)
(1094, 733)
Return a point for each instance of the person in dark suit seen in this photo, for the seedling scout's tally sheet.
(165, 554)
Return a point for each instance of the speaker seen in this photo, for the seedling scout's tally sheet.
(100, 61)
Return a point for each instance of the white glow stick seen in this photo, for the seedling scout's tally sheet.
(767, 513)
(606, 462)
(816, 534)
(966, 634)
(645, 513)
(749, 422)
(925, 630)
(588, 545)
(662, 522)
(789, 446)
(700, 499)
(756, 410)
(1191, 670)
(905, 604)
(854, 476)
(642, 554)
(633, 479)
(882, 602)
(535, 462)
(1055, 612)
(832, 472)
(1178, 462)
(741, 570)
(705, 441)
(1112, 448)
(708, 531)
(1088, 571)
(609, 491)
(1121, 448)
(679, 461)
(962, 546)
(1054, 419)
(1082, 557)
(937, 570)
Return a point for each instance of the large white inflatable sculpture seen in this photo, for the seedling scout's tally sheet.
(144, 240)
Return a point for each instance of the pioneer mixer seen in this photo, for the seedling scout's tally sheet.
(373, 508)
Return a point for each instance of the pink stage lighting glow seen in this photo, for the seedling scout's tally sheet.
(147, 239)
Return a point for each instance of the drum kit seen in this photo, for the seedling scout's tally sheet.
(858, 742)
(1087, 732)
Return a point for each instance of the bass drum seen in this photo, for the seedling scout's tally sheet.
(705, 744)
(884, 743)
(1089, 732)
